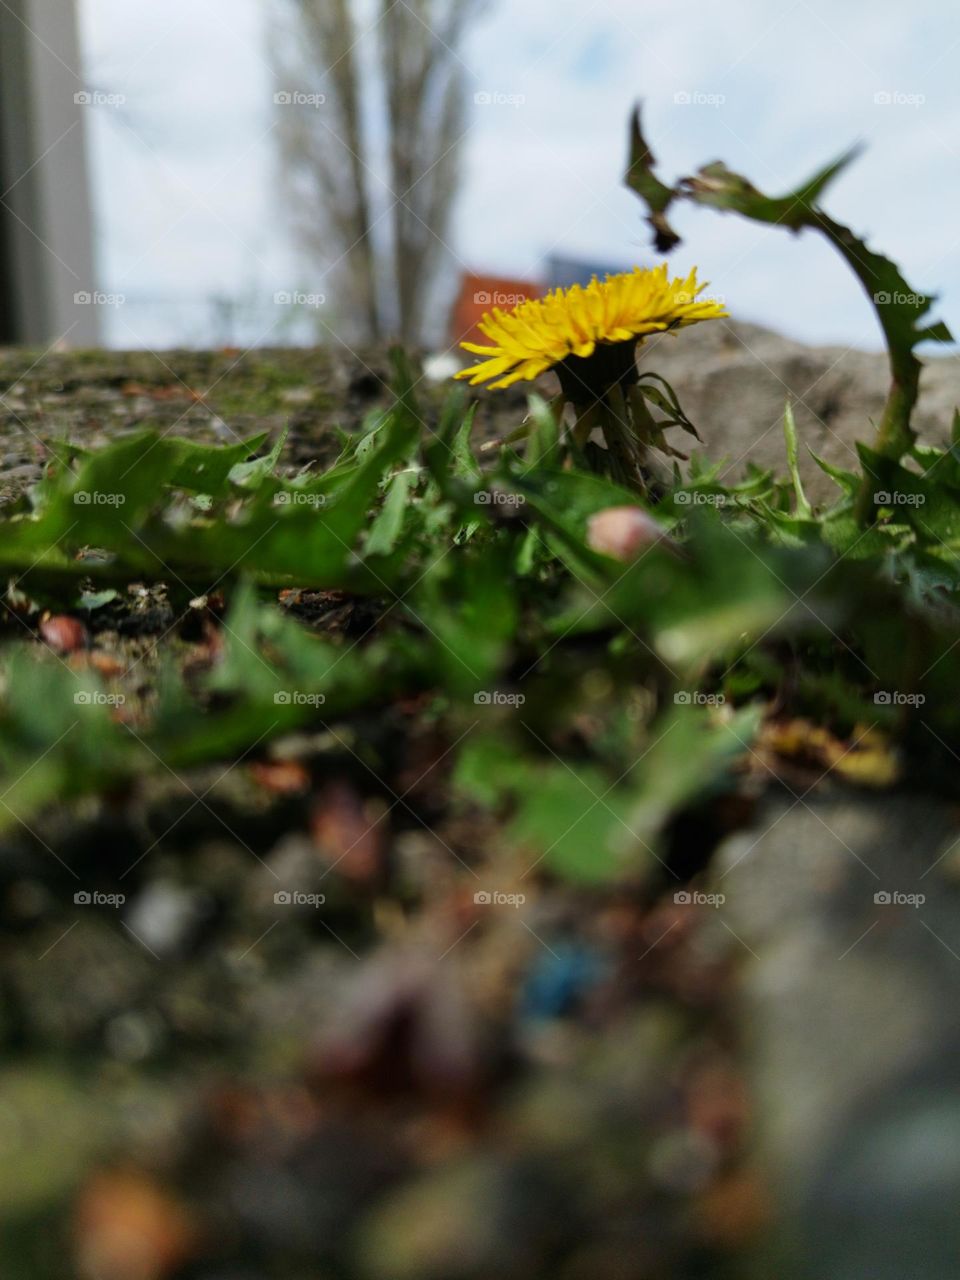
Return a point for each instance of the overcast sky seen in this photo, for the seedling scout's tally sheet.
(186, 197)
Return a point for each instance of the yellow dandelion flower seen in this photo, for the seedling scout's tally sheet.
(589, 337)
(578, 322)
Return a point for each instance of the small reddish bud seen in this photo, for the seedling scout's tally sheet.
(625, 532)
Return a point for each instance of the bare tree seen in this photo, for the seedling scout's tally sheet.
(371, 171)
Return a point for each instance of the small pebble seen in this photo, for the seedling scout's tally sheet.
(62, 633)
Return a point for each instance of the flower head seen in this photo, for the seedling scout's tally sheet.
(540, 334)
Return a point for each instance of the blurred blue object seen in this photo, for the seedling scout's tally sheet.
(559, 979)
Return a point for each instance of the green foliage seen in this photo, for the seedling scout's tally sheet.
(586, 700)
(901, 310)
(137, 503)
(595, 825)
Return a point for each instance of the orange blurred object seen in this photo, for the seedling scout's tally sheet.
(127, 1228)
(283, 777)
(480, 294)
(349, 833)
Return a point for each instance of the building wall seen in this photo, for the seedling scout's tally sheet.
(46, 254)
